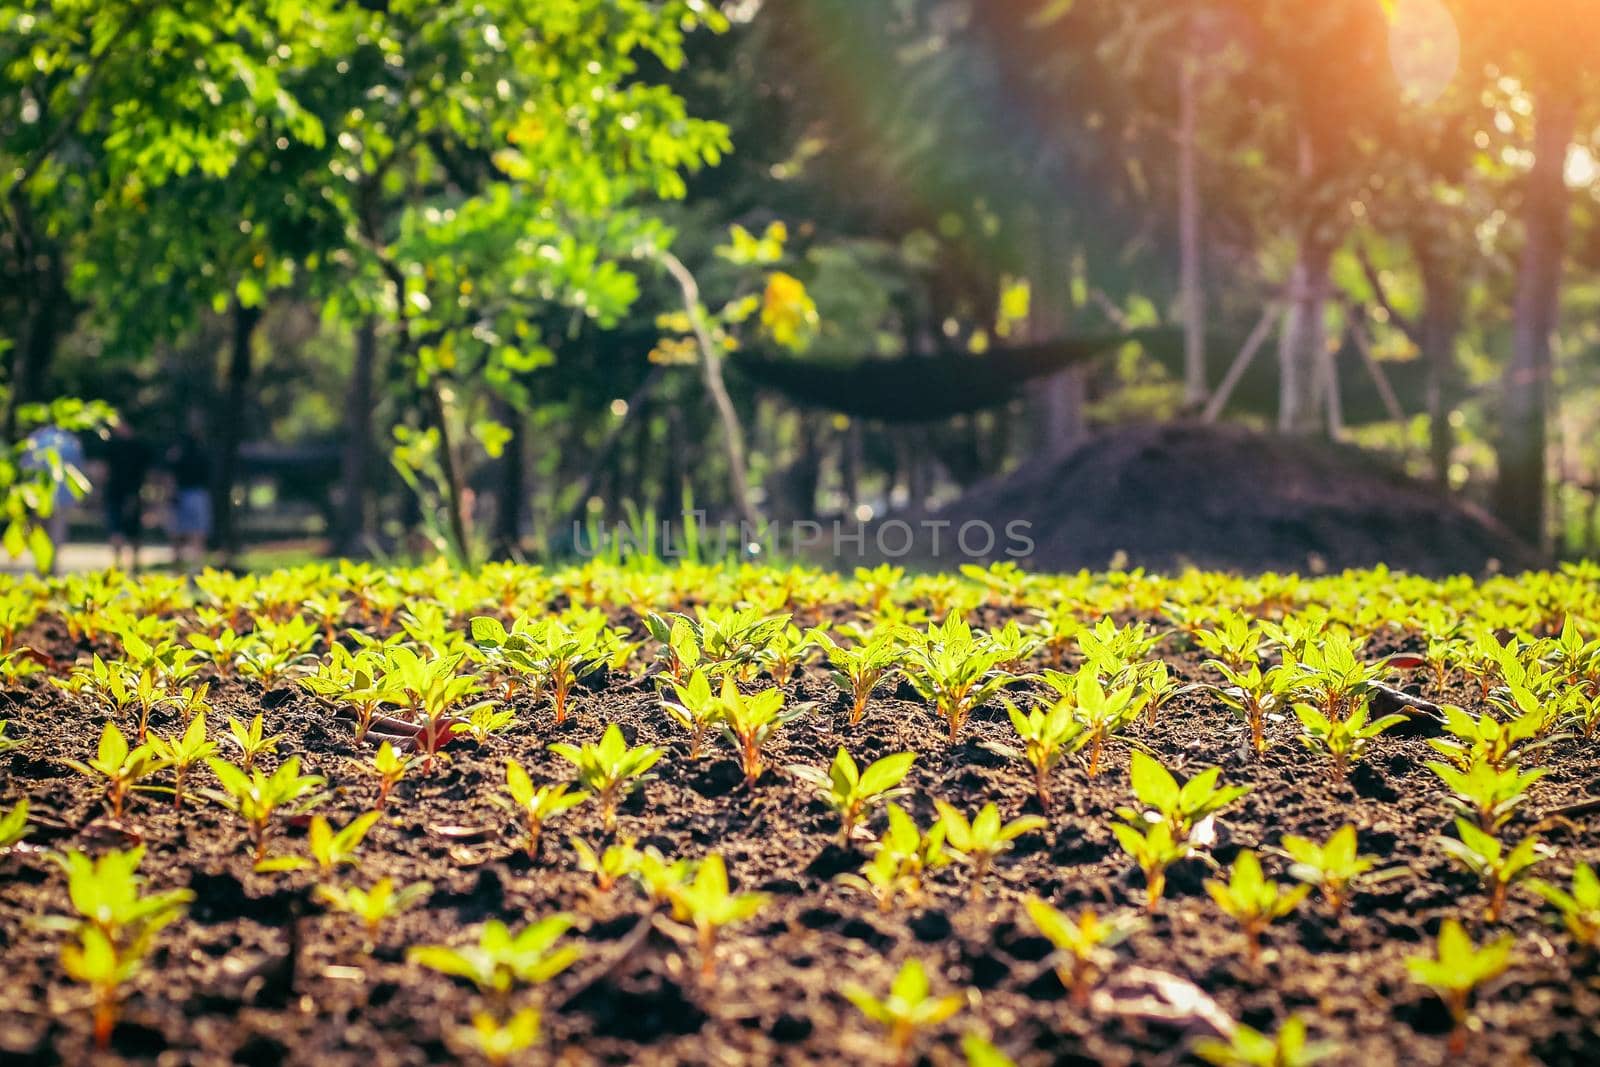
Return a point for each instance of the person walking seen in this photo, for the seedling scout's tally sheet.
(127, 463)
(191, 500)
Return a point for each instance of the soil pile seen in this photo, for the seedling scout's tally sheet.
(1228, 498)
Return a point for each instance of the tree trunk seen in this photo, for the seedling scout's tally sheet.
(1303, 344)
(1190, 277)
(513, 485)
(1525, 387)
(230, 428)
(1062, 396)
(356, 462)
(1441, 325)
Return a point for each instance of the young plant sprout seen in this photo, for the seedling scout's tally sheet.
(116, 927)
(978, 842)
(680, 644)
(1181, 807)
(373, 907)
(1487, 796)
(1047, 737)
(14, 825)
(252, 741)
(903, 856)
(1254, 900)
(1579, 910)
(537, 805)
(954, 670)
(659, 876)
(329, 849)
(1458, 968)
(1102, 712)
(698, 709)
(501, 1042)
(852, 792)
(501, 961)
(707, 904)
(1255, 696)
(184, 752)
(1233, 641)
(857, 669)
(748, 723)
(609, 866)
(909, 1009)
(256, 797)
(1289, 1047)
(1345, 740)
(611, 770)
(1497, 867)
(390, 767)
(1083, 944)
(122, 768)
(1335, 869)
(1154, 848)
(787, 652)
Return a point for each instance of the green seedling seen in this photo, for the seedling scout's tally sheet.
(1457, 969)
(253, 741)
(732, 640)
(748, 723)
(1181, 807)
(858, 669)
(1255, 696)
(484, 719)
(1154, 848)
(707, 904)
(1331, 673)
(680, 644)
(501, 1042)
(390, 767)
(611, 770)
(183, 752)
(373, 907)
(1346, 740)
(329, 849)
(1253, 900)
(954, 671)
(609, 866)
(221, 650)
(1245, 1047)
(851, 792)
(1047, 737)
(500, 962)
(698, 709)
(979, 842)
(537, 805)
(1083, 944)
(1101, 711)
(1580, 909)
(979, 1052)
(122, 768)
(1486, 739)
(256, 797)
(909, 1009)
(1487, 796)
(659, 876)
(902, 858)
(786, 653)
(1497, 867)
(14, 825)
(1015, 645)
(1335, 869)
(8, 744)
(1233, 641)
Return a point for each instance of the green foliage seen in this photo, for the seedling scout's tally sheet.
(858, 668)
(256, 797)
(501, 961)
(373, 907)
(707, 904)
(610, 769)
(1344, 741)
(390, 767)
(329, 848)
(1289, 1047)
(1497, 867)
(901, 859)
(1047, 737)
(253, 741)
(1579, 910)
(978, 842)
(1181, 807)
(1082, 945)
(954, 670)
(1456, 969)
(184, 752)
(122, 768)
(749, 721)
(14, 825)
(1252, 899)
(1335, 869)
(1154, 848)
(537, 805)
(910, 1007)
(851, 792)
(1486, 795)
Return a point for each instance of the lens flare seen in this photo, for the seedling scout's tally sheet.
(1425, 48)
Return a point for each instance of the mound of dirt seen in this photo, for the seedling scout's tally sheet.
(1224, 497)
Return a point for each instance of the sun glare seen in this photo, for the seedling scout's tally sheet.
(1425, 48)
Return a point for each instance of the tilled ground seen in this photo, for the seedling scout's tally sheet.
(259, 974)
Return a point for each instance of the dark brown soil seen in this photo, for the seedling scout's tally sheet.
(1227, 498)
(257, 974)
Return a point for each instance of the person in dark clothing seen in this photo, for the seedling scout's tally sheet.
(127, 463)
(191, 500)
